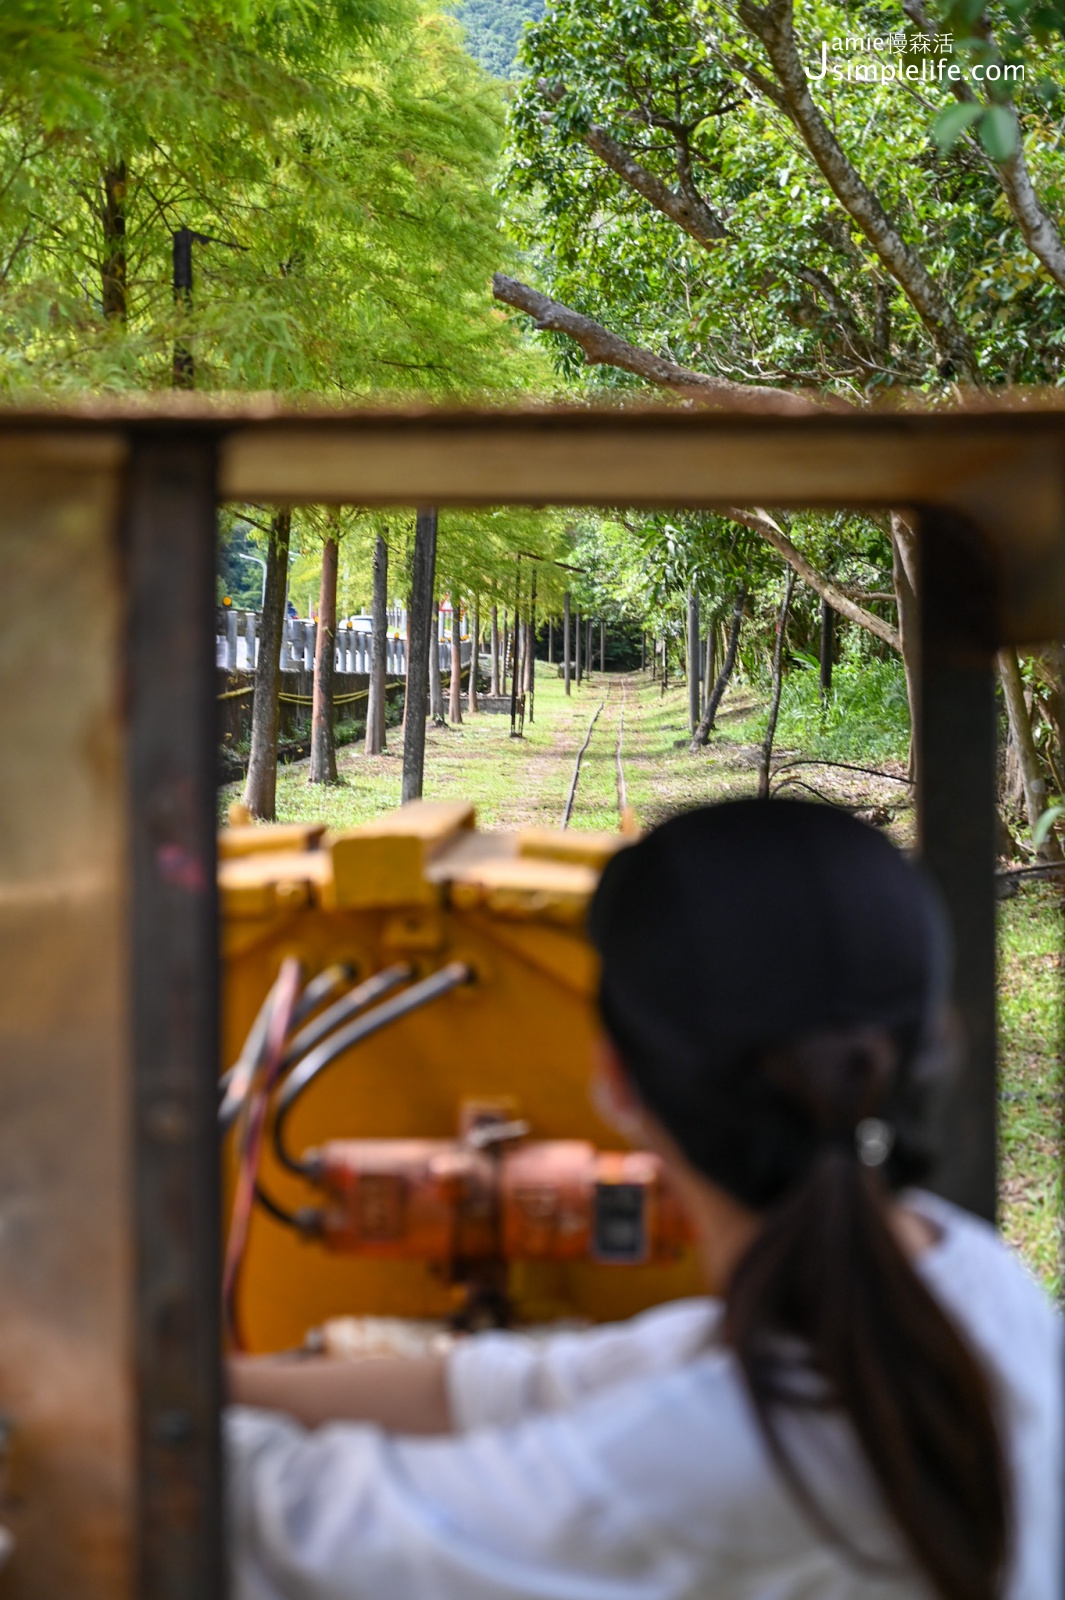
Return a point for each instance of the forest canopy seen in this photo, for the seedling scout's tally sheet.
(794, 202)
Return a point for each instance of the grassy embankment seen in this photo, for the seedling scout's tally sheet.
(517, 782)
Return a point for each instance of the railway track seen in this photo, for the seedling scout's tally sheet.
(624, 811)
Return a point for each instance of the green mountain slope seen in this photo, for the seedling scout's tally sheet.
(493, 30)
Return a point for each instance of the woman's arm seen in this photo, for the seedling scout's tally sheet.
(405, 1394)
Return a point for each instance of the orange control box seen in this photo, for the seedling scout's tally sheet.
(549, 1200)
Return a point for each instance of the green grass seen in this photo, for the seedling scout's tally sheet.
(517, 782)
(1030, 1043)
(866, 717)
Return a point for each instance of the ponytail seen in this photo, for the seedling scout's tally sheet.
(827, 1269)
(785, 1038)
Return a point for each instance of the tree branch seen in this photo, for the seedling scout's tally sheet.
(773, 25)
(761, 522)
(687, 209)
(1038, 229)
(852, 336)
(603, 348)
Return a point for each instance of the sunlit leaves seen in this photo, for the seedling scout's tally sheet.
(347, 146)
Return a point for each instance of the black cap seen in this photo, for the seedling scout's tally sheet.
(757, 921)
(753, 924)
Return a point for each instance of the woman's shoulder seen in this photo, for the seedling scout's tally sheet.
(991, 1293)
(968, 1247)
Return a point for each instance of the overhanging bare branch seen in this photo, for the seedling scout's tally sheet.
(603, 348)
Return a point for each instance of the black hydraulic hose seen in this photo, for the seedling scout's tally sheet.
(303, 1075)
(321, 989)
(273, 1209)
(349, 1005)
(240, 1075)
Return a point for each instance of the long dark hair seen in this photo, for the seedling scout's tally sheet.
(768, 1051)
(827, 1268)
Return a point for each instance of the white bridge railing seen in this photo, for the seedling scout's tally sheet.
(237, 648)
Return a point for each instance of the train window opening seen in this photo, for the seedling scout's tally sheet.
(406, 1007)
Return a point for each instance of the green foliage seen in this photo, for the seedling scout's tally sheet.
(476, 555)
(866, 717)
(238, 577)
(347, 149)
(794, 294)
(1032, 1080)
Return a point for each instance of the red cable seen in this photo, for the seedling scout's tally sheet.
(250, 1137)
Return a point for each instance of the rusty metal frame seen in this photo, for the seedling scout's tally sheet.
(988, 490)
(170, 533)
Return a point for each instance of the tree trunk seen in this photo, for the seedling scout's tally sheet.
(515, 669)
(323, 745)
(261, 784)
(602, 644)
(1051, 667)
(566, 667)
(904, 557)
(375, 711)
(436, 687)
(778, 684)
(1035, 789)
(828, 617)
(577, 650)
(693, 662)
(643, 652)
(710, 663)
(550, 641)
(419, 634)
(454, 709)
(493, 687)
(113, 265)
(475, 656)
(588, 646)
(702, 733)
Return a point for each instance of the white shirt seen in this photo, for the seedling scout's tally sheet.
(625, 1463)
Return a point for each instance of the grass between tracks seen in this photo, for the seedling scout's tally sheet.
(516, 782)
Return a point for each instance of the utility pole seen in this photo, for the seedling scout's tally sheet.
(530, 666)
(694, 674)
(516, 662)
(183, 241)
(565, 640)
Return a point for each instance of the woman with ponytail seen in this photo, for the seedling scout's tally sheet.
(869, 1400)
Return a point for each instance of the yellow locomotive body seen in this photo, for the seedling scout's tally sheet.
(424, 887)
